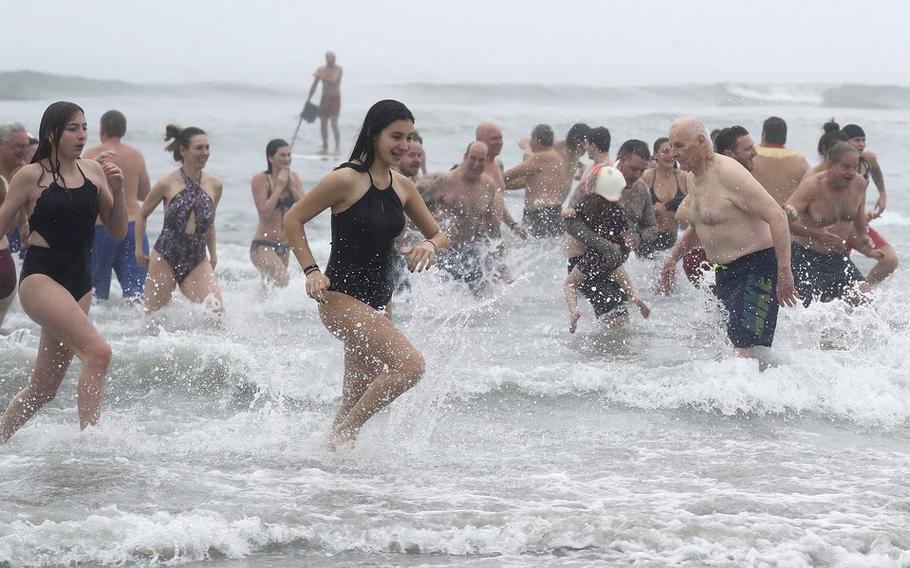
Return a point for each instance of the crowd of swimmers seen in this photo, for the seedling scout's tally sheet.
(773, 230)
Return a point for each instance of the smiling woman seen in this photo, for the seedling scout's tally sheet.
(379, 362)
(55, 289)
(191, 198)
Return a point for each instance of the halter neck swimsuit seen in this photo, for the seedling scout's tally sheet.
(362, 260)
(65, 218)
(181, 250)
(674, 203)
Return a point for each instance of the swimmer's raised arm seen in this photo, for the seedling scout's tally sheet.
(112, 206)
(516, 177)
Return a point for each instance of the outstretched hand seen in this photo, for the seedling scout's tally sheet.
(879, 206)
(420, 256)
(644, 308)
(142, 259)
(786, 289)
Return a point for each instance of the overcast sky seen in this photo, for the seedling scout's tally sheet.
(561, 41)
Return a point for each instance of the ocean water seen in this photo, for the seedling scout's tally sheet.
(523, 445)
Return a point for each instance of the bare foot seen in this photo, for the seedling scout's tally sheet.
(341, 439)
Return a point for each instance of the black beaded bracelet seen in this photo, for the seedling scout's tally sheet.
(435, 248)
(310, 268)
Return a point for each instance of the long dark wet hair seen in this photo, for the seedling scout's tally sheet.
(53, 123)
(270, 150)
(379, 116)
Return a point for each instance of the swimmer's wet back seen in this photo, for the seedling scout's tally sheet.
(363, 253)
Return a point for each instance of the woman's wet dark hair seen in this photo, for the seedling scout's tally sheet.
(179, 138)
(53, 123)
(660, 142)
(380, 115)
(833, 134)
(271, 149)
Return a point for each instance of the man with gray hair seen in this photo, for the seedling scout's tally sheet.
(825, 211)
(744, 232)
(491, 135)
(14, 147)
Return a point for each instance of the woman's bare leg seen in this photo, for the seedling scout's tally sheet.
(370, 335)
(65, 330)
(885, 265)
(200, 284)
(358, 374)
(159, 284)
(273, 268)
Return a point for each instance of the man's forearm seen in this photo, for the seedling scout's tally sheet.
(780, 236)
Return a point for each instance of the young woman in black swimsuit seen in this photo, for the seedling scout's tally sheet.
(668, 188)
(275, 191)
(369, 203)
(65, 195)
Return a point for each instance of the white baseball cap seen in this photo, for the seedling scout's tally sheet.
(608, 183)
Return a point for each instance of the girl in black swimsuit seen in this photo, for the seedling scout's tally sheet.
(369, 203)
(275, 191)
(65, 196)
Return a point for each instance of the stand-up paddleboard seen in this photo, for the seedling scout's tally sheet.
(321, 157)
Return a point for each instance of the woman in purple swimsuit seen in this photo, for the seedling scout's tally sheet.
(191, 197)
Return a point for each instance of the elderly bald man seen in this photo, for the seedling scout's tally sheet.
(491, 135)
(465, 204)
(743, 231)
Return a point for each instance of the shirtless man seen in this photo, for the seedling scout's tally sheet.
(742, 229)
(107, 253)
(825, 211)
(868, 166)
(491, 135)
(778, 169)
(465, 200)
(547, 181)
(631, 160)
(410, 164)
(14, 148)
(735, 142)
(330, 103)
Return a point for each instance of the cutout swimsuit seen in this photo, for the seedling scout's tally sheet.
(181, 250)
(65, 219)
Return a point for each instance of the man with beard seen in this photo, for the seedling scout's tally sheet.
(825, 211)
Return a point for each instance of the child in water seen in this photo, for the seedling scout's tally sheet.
(609, 289)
